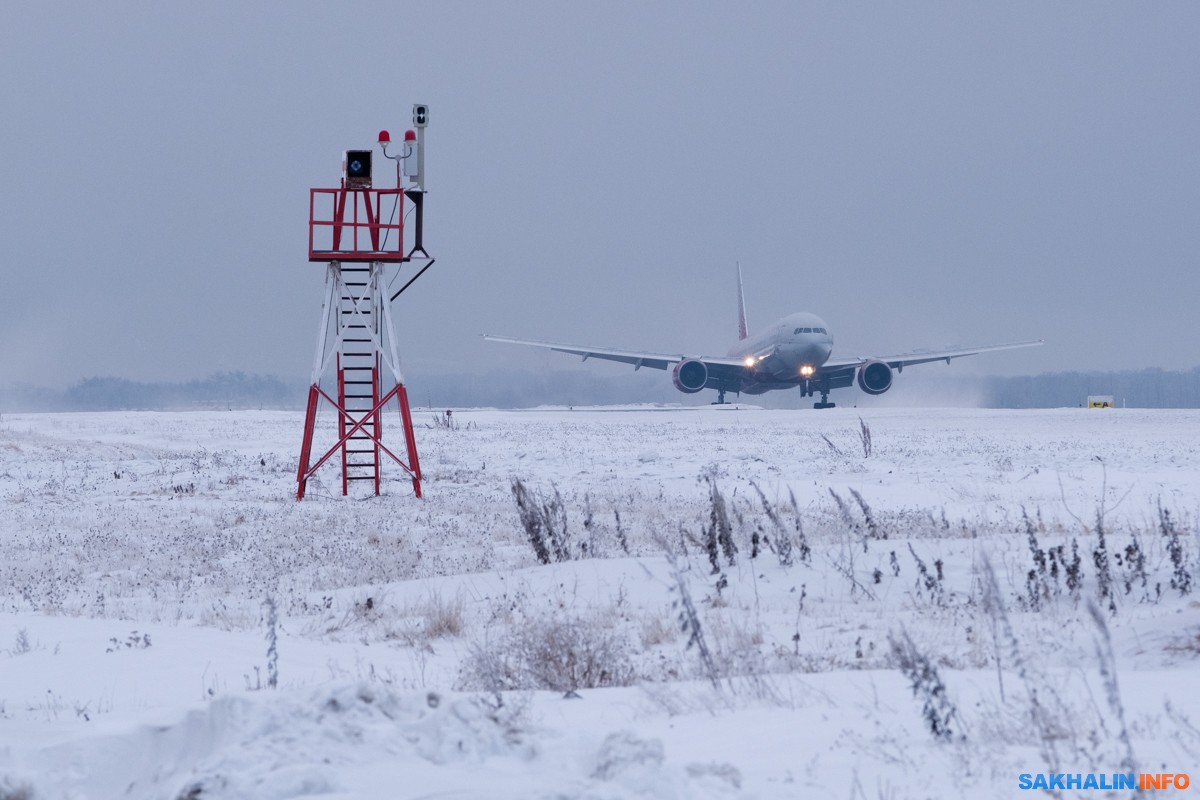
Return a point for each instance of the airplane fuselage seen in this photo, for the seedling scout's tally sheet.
(792, 349)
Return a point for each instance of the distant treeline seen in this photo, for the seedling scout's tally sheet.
(224, 390)
(1147, 388)
(1144, 388)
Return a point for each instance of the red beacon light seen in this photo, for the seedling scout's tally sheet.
(409, 135)
(385, 137)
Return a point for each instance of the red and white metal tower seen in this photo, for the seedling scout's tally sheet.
(358, 232)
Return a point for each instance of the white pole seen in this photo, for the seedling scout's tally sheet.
(385, 310)
(323, 330)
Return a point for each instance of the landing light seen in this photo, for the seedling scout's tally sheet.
(807, 371)
(750, 360)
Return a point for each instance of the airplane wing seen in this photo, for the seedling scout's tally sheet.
(729, 374)
(639, 359)
(903, 360)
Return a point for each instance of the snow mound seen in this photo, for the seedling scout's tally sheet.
(277, 745)
(634, 767)
(357, 742)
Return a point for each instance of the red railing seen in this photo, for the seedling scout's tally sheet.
(349, 225)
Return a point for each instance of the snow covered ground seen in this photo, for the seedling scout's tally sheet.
(742, 604)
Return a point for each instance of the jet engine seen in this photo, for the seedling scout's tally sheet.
(875, 377)
(690, 375)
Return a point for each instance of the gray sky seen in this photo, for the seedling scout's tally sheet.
(917, 174)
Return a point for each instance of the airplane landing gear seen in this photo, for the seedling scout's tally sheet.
(722, 389)
(809, 388)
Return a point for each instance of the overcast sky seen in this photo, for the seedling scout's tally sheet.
(919, 174)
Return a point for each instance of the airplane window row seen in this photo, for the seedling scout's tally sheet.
(812, 330)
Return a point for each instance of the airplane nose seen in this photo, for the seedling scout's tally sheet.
(788, 358)
(814, 354)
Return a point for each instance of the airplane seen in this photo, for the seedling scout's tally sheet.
(795, 352)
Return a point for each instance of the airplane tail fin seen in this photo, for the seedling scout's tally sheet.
(741, 306)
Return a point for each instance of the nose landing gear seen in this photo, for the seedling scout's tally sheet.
(808, 390)
(824, 402)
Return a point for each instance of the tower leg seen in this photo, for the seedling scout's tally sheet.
(310, 419)
(341, 376)
(410, 440)
(376, 419)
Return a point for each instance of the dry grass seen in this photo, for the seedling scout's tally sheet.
(443, 618)
(560, 654)
(657, 628)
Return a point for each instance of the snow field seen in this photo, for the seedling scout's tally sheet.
(137, 550)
